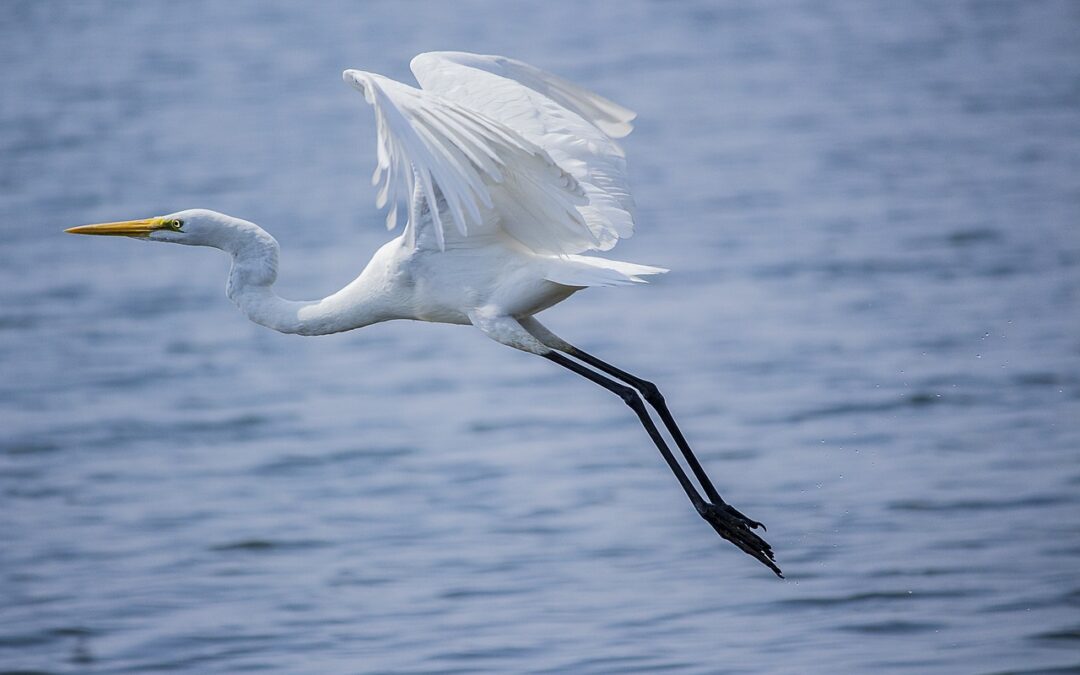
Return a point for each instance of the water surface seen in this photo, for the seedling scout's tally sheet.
(870, 334)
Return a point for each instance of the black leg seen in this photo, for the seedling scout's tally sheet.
(728, 522)
(651, 393)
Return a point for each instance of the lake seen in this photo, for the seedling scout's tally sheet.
(870, 335)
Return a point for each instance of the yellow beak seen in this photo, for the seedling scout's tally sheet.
(126, 228)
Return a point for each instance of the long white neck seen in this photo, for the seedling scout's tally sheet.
(254, 269)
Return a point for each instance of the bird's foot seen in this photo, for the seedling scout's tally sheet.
(732, 525)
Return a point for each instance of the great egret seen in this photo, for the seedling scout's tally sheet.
(525, 175)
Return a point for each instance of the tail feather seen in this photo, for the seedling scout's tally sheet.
(580, 270)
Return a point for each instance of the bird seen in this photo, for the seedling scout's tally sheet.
(510, 177)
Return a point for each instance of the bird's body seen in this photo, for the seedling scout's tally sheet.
(399, 282)
(511, 177)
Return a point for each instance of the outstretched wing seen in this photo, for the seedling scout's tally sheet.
(490, 171)
(575, 126)
(457, 156)
(445, 72)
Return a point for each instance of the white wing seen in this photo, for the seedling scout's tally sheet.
(574, 125)
(485, 171)
(443, 72)
(473, 165)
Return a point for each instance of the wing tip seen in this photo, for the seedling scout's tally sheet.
(358, 80)
(611, 118)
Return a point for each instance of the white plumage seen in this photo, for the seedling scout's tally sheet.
(509, 175)
(494, 134)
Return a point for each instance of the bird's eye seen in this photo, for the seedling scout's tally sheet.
(176, 224)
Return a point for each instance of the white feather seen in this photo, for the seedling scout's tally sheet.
(474, 164)
(573, 125)
(500, 145)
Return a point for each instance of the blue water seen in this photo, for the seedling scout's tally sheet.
(871, 334)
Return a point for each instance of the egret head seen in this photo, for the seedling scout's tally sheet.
(194, 227)
(254, 251)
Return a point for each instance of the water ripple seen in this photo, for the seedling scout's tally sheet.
(868, 335)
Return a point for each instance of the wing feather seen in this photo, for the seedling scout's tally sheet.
(457, 156)
(575, 126)
(609, 117)
(498, 144)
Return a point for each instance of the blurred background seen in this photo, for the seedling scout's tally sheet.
(869, 334)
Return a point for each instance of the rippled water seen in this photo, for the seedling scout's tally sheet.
(870, 335)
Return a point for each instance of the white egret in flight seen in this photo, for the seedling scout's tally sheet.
(509, 174)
